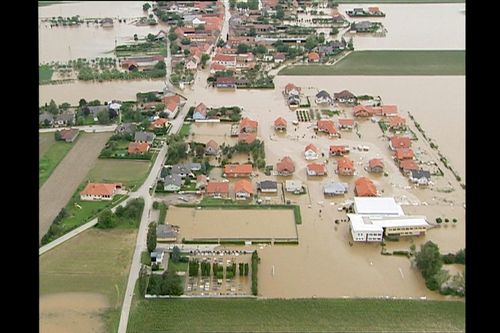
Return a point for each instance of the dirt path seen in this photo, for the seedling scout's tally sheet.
(57, 190)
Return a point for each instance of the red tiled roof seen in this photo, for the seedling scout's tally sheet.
(243, 185)
(400, 142)
(286, 164)
(100, 189)
(289, 87)
(326, 126)
(217, 67)
(337, 149)
(247, 122)
(218, 187)
(212, 144)
(373, 9)
(201, 179)
(279, 56)
(225, 80)
(68, 133)
(396, 121)
(280, 122)
(171, 99)
(136, 147)
(313, 56)
(364, 187)
(363, 111)
(404, 153)
(345, 163)
(201, 108)
(344, 94)
(312, 147)
(374, 162)
(346, 122)
(408, 165)
(224, 57)
(317, 168)
(389, 109)
(238, 168)
(247, 137)
(159, 122)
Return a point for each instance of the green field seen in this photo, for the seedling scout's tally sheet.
(308, 315)
(45, 73)
(129, 172)
(51, 159)
(388, 63)
(45, 141)
(184, 131)
(96, 261)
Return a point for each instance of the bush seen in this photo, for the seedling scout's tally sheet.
(255, 263)
(156, 205)
(446, 220)
(439, 220)
(455, 220)
(401, 253)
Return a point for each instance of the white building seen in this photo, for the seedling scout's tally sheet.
(311, 152)
(294, 186)
(379, 216)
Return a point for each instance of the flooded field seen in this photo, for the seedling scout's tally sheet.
(233, 223)
(101, 9)
(414, 27)
(59, 312)
(219, 132)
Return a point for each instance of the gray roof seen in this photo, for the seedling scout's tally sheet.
(45, 116)
(172, 179)
(94, 110)
(144, 136)
(194, 166)
(178, 169)
(323, 94)
(267, 185)
(165, 231)
(67, 116)
(363, 25)
(418, 174)
(126, 128)
(335, 188)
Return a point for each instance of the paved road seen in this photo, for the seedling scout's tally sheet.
(90, 129)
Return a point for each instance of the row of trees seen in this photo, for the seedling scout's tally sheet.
(53, 108)
(55, 228)
(255, 264)
(430, 262)
(176, 149)
(243, 267)
(128, 215)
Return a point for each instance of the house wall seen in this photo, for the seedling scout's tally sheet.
(95, 197)
(171, 187)
(405, 231)
(198, 116)
(366, 236)
(311, 155)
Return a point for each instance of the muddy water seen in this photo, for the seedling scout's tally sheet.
(75, 312)
(100, 9)
(415, 26)
(213, 223)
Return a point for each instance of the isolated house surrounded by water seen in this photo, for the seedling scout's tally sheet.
(345, 167)
(332, 188)
(99, 191)
(345, 96)
(285, 166)
(324, 98)
(375, 165)
(398, 142)
(211, 148)
(316, 169)
(328, 127)
(311, 152)
(200, 112)
(280, 124)
(338, 150)
(364, 187)
(420, 177)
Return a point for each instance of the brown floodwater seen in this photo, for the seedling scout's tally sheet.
(415, 26)
(90, 9)
(72, 312)
(233, 223)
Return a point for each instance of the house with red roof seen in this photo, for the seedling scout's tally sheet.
(404, 154)
(137, 148)
(225, 82)
(247, 137)
(389, 110)
(285, 166)
(364, 187)
(397, 142)
(397, 123)
(316, 169)
(362, 111)
(237, 170)
(346, 124)
(292, 89)
(311, 152)
(338, 150)
(69, 135)
(345, 167)
(313, 57)
(211, 148)
(328, 127)
(345, 96)
(171, 103)
(280, 124)
(408, 165)
(225, 60)
(248, 125)
(375, 165)
(218, 190)
(99, 191)
(243, 189)
(159, 123)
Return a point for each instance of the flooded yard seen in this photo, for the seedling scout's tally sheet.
(219, 132)
(246, 224)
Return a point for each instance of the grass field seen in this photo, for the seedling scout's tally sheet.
(388, 63)
(184, 131)
(129, 172)
(45, 141)
(52, 157)
(44, 72)
(104, 258)
(310, 315)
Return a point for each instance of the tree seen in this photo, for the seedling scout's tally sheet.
(103, 117)
(112, 114)
(52, 108)
(176, 254)
(185, 41)
(151, 237)
(95, 102)
(243, 48)
(460, 257)
(186, 52)
(260, 49)
(204, 58)
(64, 106)
(232, 4)
(172, 35)
(82, 103)
(280, 13)
(146, 6)
(106, 220)
(311, 42)
(350, 44)
(150, 37)
(57, 135)
(252, 32)
(428, 260)
(321, 38)
(220, 42)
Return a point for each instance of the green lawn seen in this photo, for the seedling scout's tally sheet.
(129, 172)
(96, 261)
(186, 127)
(45, 141)
(308, 315)
(44, 73)
(177, 267)
(388, 63)
(51, 159)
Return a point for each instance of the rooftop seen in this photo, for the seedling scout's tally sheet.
(377, 206)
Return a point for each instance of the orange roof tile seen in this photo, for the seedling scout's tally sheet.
(218, 187)
(404, 153)
(408, 165)
(364, 187)
(100, 189)
(317, 168)
(286, 164)
(396, 121)
(137, 148)
(389, 109)
(346, 122)
(326, 126)
(312, 147)
(400, 142)
(224, 57)
(238, 168)
(313, 56)
(159, 122)
(280, 122)
(243, 185)
(345, 163)
(247, 122)
(337, 149)
(374, 162)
